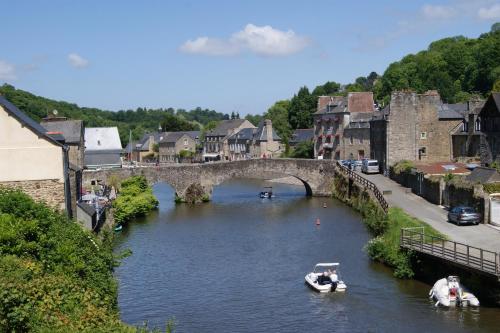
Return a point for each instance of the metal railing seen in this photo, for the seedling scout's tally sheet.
(367, 184)
(458, 253)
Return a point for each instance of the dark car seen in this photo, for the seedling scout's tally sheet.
(464, 215)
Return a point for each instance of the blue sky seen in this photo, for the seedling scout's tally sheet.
(223, 55)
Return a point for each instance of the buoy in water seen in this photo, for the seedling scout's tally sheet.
(318, 222)
(324, 204)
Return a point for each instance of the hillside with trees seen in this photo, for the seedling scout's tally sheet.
(458, 67)
(138, 121)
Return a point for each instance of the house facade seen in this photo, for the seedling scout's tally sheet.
(176, 144)
(342, 126)
(103, 148)
(146, 149)
(415, 127)
(32, 159)
(216, 145)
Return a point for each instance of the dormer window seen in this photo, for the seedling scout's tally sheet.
(98, 142)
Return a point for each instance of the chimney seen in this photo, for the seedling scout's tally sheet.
(269, 130)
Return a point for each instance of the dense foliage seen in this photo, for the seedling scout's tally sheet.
(303, 150)
(136, 199)
(138, 121)
(457, 67)
(54, 276)
(385, 247)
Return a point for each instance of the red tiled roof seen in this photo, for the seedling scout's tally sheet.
(360, 102)
(442, 168)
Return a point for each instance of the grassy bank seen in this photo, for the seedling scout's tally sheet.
(135, 199)
(386, 228)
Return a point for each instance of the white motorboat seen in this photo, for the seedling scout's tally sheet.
(449, 292)
(326, 278)
(267, 193)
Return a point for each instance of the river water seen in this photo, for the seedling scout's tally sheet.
(237, 264)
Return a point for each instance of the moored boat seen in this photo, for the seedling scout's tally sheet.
(267, 193)
(449, 292)
(326, 278)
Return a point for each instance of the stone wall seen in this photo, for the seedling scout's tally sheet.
(360, 138)
(49, 191)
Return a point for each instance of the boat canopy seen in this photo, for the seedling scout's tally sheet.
(327, 264)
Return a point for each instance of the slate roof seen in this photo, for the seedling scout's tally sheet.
(23, 118)
(102, 138)
(244, 134)
(226, 126)
(484, 175)
(260, 133)
(453, 111)
(88, 209)
(72, 130)
(302, 134)
(96, 158)
(172, 137)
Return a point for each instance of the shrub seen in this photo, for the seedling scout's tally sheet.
(136, 199)
(403, 166)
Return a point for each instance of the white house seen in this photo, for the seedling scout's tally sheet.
(102, 148)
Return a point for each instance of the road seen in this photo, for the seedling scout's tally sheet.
(482, 236)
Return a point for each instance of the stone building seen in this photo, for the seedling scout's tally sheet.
(103, 148)
(342, 126)
(260, 142)
(144, 150)
(216, 146)
(74, 136)
(489, 130)
(173, 144)
(415, 127)
(32, 159)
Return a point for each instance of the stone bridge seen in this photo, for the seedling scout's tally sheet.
(195, 182)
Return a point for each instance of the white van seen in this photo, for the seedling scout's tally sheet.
(370, 166)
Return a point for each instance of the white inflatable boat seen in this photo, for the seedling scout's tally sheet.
(326, 278)
(449, 292)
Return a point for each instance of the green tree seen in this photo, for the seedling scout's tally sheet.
(254, 118)
(302, 106)
(304, 150)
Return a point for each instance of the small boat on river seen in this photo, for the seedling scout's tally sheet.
(449, 292)
(326, 278)
(267, 193)
(118, 228)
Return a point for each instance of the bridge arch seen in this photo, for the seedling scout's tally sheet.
(195, 182)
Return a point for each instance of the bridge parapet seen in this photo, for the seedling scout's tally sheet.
(316, 175)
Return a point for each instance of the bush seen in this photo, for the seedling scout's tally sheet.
(386, 248)
(403, 166)
(492, 187)
(136, 199)
(53, 274)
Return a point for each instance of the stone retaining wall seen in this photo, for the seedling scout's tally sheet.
(49, 191)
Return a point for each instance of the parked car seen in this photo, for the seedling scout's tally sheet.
(464, 215)
(370, 166)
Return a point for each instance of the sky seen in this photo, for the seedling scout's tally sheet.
(225, 55)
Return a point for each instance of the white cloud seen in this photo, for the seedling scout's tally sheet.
(209, 46)
(7, 71)
(264, 40)
(436, 12)
(491, 13)
(77, 61)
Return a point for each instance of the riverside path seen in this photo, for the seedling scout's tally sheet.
(482, 236)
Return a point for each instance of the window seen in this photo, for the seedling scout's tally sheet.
(423, 135)
(465, 126)
(478, 124)
(98, 142)
(185, 142)
(351, 139)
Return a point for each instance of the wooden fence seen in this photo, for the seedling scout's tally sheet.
(456, 253)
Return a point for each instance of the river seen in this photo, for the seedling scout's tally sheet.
(237, 264)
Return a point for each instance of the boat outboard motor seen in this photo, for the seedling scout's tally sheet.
(333, 286)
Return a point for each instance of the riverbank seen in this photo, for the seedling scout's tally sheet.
(385, 246)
